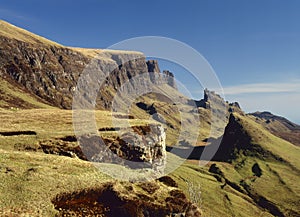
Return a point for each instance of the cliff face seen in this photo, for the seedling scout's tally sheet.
(43, 70)
(51, 71)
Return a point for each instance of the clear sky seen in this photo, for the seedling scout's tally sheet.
(253, 46)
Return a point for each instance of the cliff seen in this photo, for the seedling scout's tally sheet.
(50, 71)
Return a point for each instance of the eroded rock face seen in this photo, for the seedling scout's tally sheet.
(138, 147)
(47, 72)
(51, 72)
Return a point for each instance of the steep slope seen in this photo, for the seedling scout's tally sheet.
(51, 71)
(14, 96)
(279, 126)
(245, 137)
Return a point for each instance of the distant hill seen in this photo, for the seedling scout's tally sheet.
(279, 126)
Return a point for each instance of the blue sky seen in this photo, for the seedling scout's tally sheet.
(253, 46)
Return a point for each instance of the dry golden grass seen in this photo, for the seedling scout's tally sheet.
(94, 53)
(51, 124)
(29, 181)
(14, 32)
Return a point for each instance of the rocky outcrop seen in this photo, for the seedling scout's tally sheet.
(169, 77)
(237, 142)
(156, 75)
(211, 99)
(153, 66)
(138, 147)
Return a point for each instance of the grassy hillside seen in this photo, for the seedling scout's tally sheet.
(15, 32)
(47, 125)
(255, 173)
(32, 179)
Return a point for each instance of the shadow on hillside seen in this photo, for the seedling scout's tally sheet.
(195, 153)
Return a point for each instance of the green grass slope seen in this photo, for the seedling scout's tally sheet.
(262, 172)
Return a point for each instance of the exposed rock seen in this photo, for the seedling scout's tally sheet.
(144, 147)
(153, 66)
(235, 143)
(169, 76)
(63, 148)
(235, 107)
(47, 72)
(235, 104)
(211, 99)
